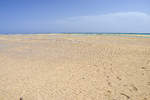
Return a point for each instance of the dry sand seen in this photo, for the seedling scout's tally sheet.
(74, 67)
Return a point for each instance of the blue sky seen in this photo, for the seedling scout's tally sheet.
(44, 16)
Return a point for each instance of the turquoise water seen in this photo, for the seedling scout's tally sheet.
(111, 33)
(130, 35)
(82, 33)
(95, 33)
(118, 34)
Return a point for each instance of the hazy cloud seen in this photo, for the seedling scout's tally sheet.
(112, 22)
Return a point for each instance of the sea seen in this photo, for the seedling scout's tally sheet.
(137, 35)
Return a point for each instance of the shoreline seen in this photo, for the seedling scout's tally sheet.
(136, 35)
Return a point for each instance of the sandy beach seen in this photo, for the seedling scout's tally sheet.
(74, 67)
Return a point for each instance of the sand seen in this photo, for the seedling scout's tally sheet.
(74, 67)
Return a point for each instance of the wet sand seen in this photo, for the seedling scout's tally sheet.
(74, 67)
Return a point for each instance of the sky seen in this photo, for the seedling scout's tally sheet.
(46, 16)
